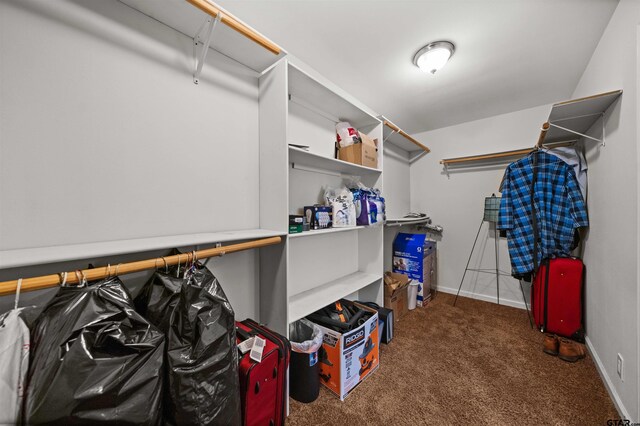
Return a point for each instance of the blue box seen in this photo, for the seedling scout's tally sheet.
(409, 253)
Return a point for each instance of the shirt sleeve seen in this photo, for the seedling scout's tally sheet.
(505, 215)
(577, 207)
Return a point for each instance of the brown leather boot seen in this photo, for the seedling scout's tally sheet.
(571, 351)
(550, 344)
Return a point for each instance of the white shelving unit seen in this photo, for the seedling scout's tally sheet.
(325, 231)
(300, 157)
(299, 107)
(303, 303)
(405, 221)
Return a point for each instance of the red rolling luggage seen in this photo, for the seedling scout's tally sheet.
(556, 297)
(263, 385)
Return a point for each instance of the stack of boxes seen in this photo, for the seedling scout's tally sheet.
(415, 256)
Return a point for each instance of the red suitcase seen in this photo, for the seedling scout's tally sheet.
(556, 297)
(263, 385)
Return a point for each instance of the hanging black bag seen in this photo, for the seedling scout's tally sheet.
(189, 305)
(94, 360)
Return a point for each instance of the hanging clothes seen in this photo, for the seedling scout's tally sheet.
(559, 207)
(94, 360)
(14, 358)
(201, 359)
(575, 158)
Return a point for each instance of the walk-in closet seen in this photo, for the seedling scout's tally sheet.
(277, 212)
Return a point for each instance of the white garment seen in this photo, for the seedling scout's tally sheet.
(574, 158)
(14, 359)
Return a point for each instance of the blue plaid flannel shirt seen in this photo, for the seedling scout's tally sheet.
(560, 209)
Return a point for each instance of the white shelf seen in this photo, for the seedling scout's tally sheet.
(187, 19)
(326, 99)
(42, 255)
(405, 221)
(325, 231)
(578, 115)
(303, 304)
(320, 163)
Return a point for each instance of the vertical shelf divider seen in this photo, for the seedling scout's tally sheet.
(274, 195)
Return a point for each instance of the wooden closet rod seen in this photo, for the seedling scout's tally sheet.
(502, 154)
(53, 280)
(233, 23)
(403, 133)
(486, 156)
(543, 133)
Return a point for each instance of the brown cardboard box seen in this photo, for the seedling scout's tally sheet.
(395, 293)
(346, 353)
(365, 153)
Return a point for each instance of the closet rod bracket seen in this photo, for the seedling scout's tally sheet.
(566, 129)
(389, 135)
(208, 26)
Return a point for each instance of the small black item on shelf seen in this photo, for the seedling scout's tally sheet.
(296, 223)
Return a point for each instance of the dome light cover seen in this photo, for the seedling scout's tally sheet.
(434, 56)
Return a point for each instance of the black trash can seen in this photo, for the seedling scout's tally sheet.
(304, 370)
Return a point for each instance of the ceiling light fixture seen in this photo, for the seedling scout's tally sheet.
(434, 56)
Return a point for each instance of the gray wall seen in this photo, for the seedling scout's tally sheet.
(397, 193)
(456, 201)
(613, 245)
(612, 252)
(104, 136)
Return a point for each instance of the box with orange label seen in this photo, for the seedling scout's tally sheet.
(348, 357)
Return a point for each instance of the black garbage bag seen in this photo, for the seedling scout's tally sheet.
(202, 358)
(94, 360)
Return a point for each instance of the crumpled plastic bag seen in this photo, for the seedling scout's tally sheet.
(346, 135)
(202, 359)
(344, 210)
(14, 358)
(94, 360)
(305, 336)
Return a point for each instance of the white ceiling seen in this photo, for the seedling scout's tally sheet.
(510, 54)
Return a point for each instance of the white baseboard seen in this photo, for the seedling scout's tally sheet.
(622, 411)
(492, 299)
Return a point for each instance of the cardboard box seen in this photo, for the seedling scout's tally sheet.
(411, 256)
(365, 153)
(395, 293)
(318, 217)
(347, 359)
(295, 223)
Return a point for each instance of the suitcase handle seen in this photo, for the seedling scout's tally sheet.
(244, 335)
